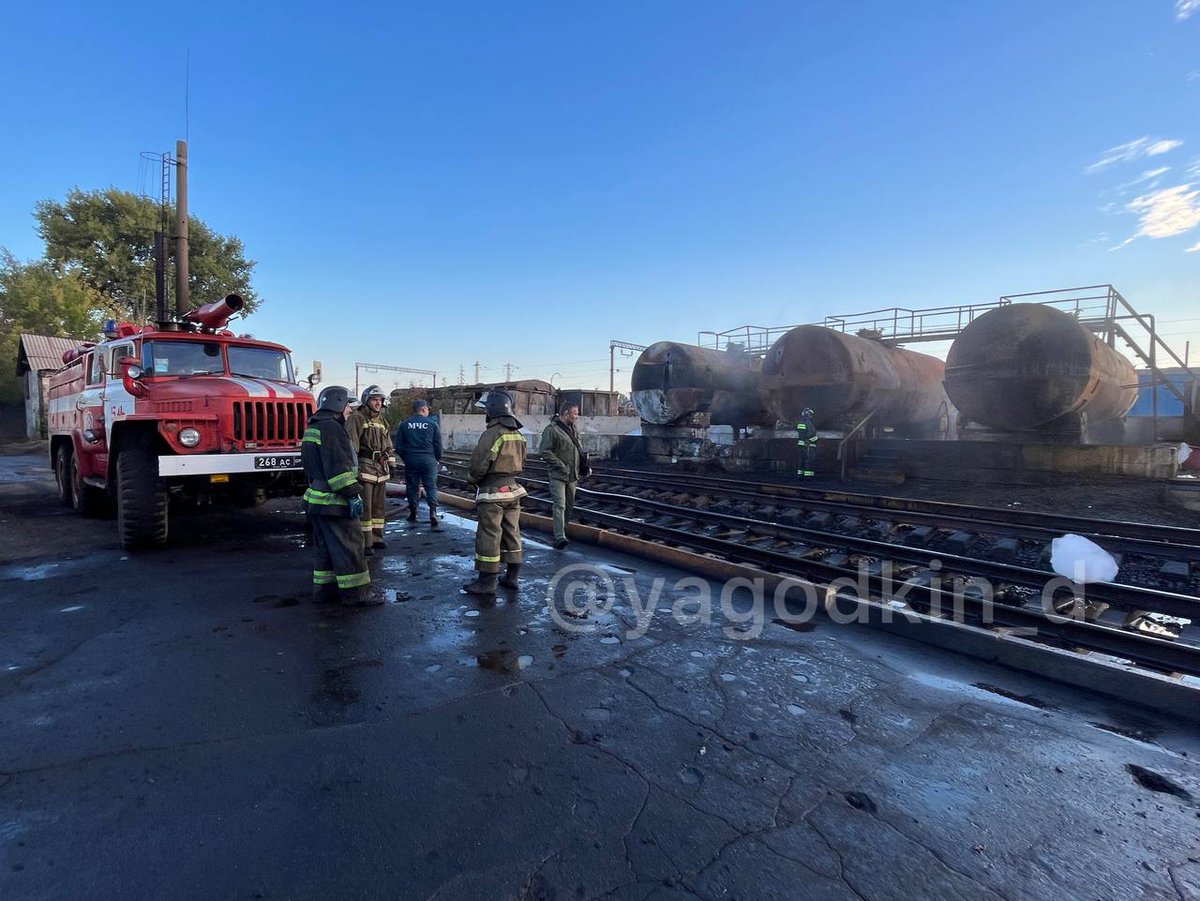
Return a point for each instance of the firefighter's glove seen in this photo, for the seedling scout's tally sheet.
(356, 507)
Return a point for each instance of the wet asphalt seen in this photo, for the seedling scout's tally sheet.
(188, 724)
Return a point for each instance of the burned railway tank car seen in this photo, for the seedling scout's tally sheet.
(844, 377)
(672, 381)
(1027, 366)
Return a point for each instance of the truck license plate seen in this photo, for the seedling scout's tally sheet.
(277, 461)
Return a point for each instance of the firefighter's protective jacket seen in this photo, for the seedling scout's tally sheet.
(330, 465)
(498, 459)
(372, 442)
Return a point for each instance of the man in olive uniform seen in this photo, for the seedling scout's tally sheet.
(564, 456)
(497, 461)
(333, 503)
(372, 441)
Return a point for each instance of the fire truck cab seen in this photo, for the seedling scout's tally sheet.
(150, 414)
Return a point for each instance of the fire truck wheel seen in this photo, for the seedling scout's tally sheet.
(62, 474)
(141, 499)
(87, 500)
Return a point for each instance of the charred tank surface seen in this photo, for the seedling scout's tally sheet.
(844, 377)
(672, 381)
(1027, 366)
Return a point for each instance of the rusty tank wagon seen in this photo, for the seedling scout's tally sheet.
(1028, 366)
(671, 382)
(844, 377)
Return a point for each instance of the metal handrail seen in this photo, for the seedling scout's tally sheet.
(841, 451)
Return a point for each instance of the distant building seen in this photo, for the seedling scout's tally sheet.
(38, 356)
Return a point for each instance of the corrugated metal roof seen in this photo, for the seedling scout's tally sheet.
(41, 352)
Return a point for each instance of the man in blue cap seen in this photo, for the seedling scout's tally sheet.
(419, 444)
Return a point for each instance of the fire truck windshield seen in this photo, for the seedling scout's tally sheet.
(260, 362)
(183, 358)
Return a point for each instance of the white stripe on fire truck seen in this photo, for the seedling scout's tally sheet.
(254, 389)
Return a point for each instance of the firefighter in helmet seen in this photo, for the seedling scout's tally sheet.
(498, 459)
(372, 440)
(806, 444)
(334, 503)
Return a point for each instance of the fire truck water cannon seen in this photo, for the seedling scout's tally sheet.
(213, 316)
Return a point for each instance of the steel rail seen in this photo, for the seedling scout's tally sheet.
(1049, 628)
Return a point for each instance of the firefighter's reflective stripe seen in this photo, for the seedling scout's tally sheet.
(500, 495)
(323, 577)
(312, 435)
(485, 559)
(354, 580)
(344, 479)
(325, 498)
(509, 436)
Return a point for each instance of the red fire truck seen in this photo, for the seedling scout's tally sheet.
(185, 410)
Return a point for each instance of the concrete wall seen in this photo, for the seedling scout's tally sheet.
(1033, 463)
(598, 434)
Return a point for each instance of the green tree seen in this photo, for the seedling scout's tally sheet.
(107, 238)
(37, 299)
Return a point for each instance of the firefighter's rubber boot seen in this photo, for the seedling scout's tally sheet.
(367, 552)
(326, 594)
(434, 522)
(360, 597)
(412, 514)
(512, 576)
(378, 542)
(483, 586)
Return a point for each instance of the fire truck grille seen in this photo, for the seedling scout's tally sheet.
(262, 421)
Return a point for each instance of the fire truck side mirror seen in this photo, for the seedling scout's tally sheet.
(131, 372)
(315, 377)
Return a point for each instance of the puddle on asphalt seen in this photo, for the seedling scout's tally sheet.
(395, 596)
(32, 573)
(727, 677)
(597, 714)
(610, 639)
(981, 690)
(503, 660)
(796, 711)
(795, 627)
(689, 775)
(71, 609)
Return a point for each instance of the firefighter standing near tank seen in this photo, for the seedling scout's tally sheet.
(498, 459)
(372, 442)
(419, 442)
(334, 503)
(806, 445)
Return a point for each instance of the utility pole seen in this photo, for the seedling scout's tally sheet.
(508, 368)
(477, 365)
(462, 376)
(626, 351)
(182, 301)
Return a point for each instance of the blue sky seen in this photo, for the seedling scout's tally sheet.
(431, 185)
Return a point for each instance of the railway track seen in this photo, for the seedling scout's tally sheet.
(980, 566)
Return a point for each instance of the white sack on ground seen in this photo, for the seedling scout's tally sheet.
(1076, 558)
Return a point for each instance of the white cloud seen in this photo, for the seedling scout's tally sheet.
(1166, 213)
(1125, 153)
(1195, 248)
(1151, 179)
(1163, 146)
(1185, 8)
(1193, 169)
